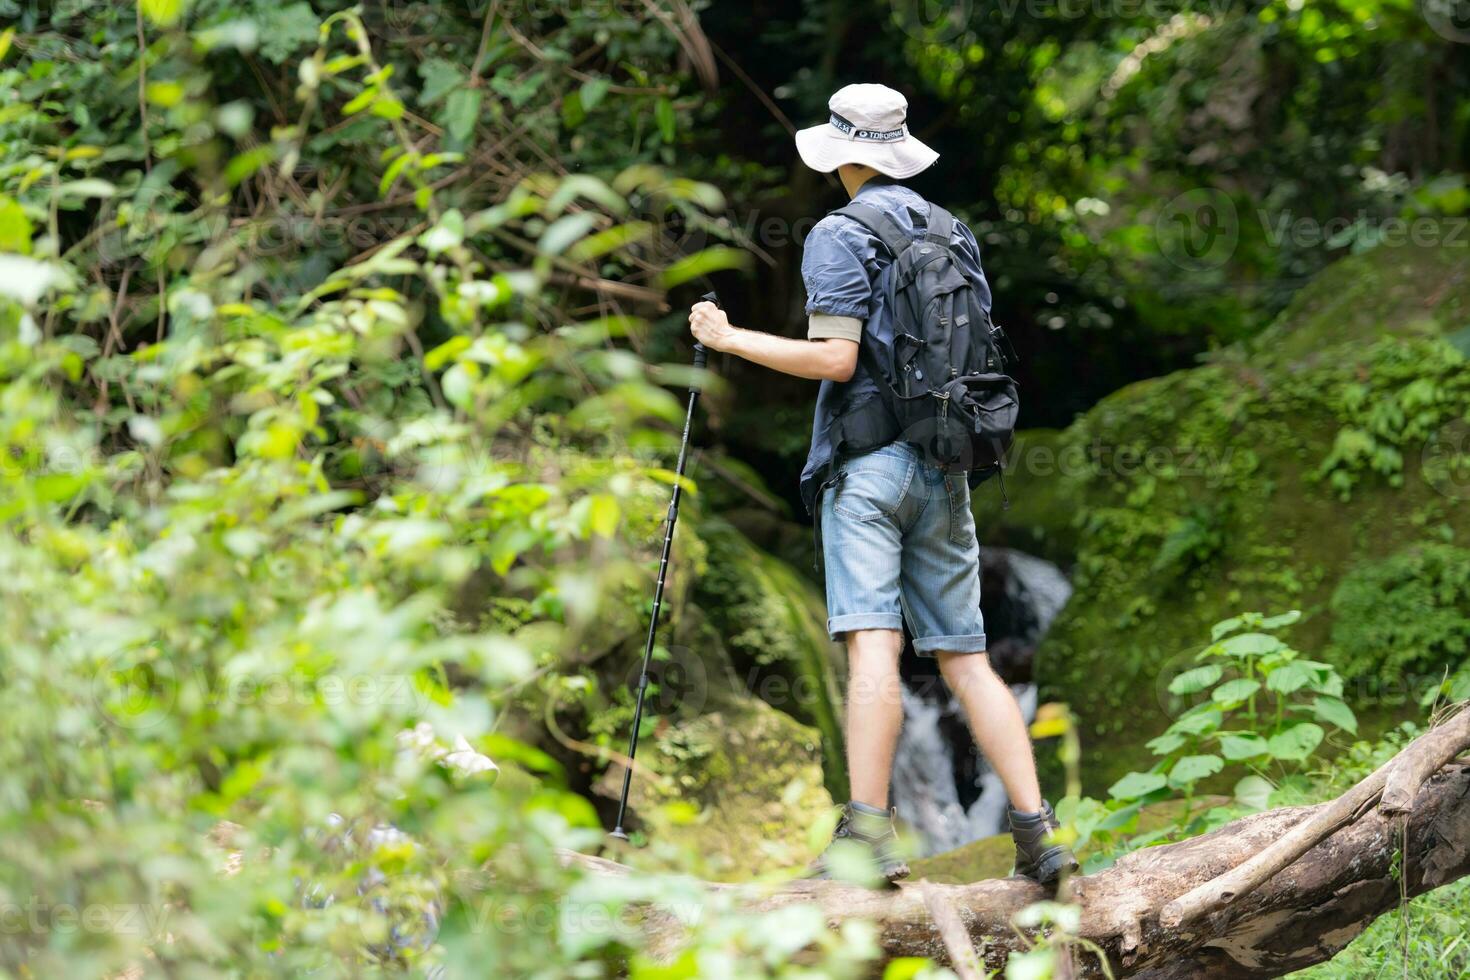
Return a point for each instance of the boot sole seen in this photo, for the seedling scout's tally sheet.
(1049, 867)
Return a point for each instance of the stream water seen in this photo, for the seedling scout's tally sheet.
(942, 785)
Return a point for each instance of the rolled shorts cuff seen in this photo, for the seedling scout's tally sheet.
(837, 625)
(970, 643)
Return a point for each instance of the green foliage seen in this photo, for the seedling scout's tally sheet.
(1407, 615)
(324, 442)
(1259, 710)
(1199, 493)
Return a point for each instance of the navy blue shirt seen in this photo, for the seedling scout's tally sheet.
(845, 271)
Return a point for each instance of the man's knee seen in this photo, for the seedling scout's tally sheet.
(872, 666)
(964, 666)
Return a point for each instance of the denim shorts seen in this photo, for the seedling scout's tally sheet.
(898, 542)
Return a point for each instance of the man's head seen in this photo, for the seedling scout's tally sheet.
(867, 128)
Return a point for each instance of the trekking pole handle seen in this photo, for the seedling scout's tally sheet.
(701, 352)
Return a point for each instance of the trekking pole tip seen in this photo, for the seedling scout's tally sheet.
(619, 833)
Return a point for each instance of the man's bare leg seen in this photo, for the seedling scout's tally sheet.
(996, 722)
(874, 712)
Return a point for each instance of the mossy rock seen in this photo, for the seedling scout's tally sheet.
(772, 622)
(1409, 291)
(739, 789)
(1258, 481)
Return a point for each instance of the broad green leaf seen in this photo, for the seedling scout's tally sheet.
(164, 13)
(715, 259)
(441, 78)
(1137, 784)
(1290, 676)
(462, 112)
(562, 232)
(1121, 818)
(1196, 679)
(1285, 619)
(609, 240)
(1335, 712)
(15, 227)
(1226, 627)
(593, 91)
(1237, 746)
(87, 187)
(572, 112)
(1166, 743)
(604, 516)
(447, 234)
(663, 114)
(1193, 768)
(1198, 722)
(1297, 742)
(587, 187)
(1253, 792)
(1033, 964)
(902, 968)
(1235, 690)
(446, 352)
(1250, 645)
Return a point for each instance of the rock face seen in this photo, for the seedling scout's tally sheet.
(742, 733)
(1273, 477)
(742, 790)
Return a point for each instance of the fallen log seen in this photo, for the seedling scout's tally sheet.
(1303, 912)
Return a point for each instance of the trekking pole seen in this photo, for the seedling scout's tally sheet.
(701, 355)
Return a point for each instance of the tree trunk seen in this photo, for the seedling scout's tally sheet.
(1301, 913)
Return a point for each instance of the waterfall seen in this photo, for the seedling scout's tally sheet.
(941, 785)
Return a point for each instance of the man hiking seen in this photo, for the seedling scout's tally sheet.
(894, 527)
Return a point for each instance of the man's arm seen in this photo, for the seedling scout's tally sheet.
(829, 359)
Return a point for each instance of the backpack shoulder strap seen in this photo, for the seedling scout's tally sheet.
(880, 224)
(941, 225)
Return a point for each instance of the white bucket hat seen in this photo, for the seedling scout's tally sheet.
(867, 126)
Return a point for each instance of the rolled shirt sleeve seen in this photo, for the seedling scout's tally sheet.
(836, 279)
(825, 326)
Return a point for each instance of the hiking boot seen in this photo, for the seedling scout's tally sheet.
(868, 827)
(1038, 855)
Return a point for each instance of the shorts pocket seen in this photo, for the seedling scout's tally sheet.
(961, 518)
(872, 486)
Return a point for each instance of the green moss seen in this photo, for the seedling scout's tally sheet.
(741, 789)
(993, 857)
(1408, 291)
(773, 624)
(1231, 486)
(1406, 615)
